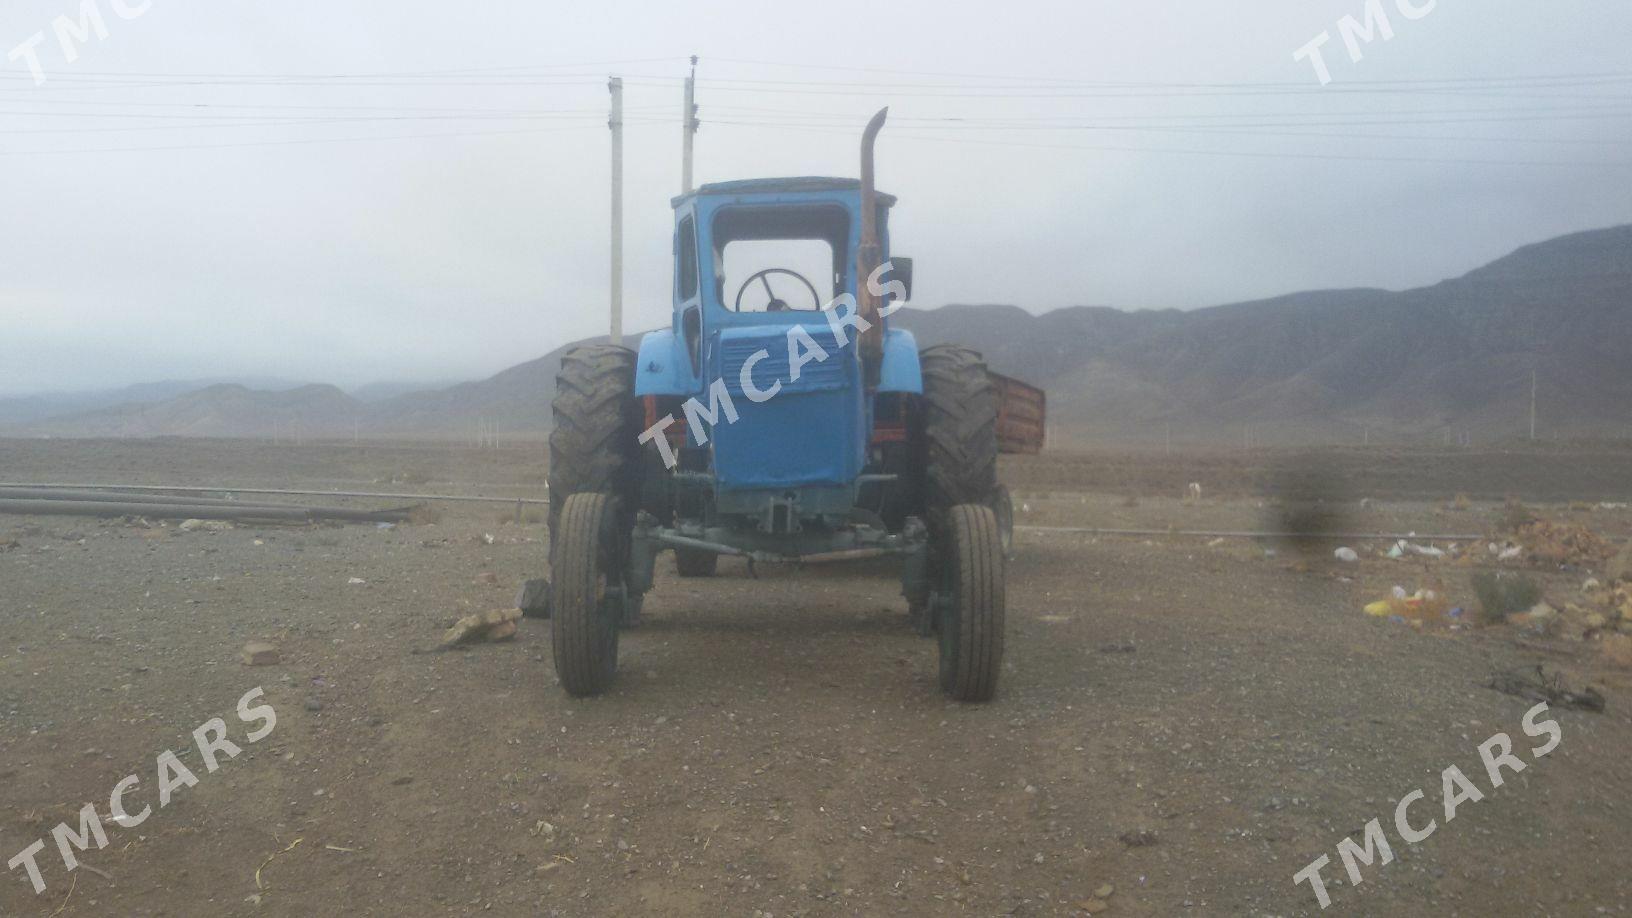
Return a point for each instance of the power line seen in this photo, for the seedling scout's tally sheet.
(1153, 122)
(1034, 88)
(1281, 124)
(1071, 80)
(276, 122)
(926, 91)
(302, 141)
(388, 73)
(1194, 152)
(543, 70)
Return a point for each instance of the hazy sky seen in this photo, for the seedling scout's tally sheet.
(418, 190)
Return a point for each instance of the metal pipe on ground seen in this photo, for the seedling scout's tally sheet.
(1249, 534)
(181, 489)
(89, 495)
(113, 508)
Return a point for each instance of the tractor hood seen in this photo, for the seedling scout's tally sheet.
(802, 413)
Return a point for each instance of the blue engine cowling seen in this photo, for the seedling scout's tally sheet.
(809, 424)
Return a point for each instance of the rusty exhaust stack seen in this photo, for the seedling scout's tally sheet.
(868, 255)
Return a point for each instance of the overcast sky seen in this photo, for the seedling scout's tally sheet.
(418, 190)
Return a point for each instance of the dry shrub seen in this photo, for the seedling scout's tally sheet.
(1501, 594)
(1550, 542)
(1514, 515)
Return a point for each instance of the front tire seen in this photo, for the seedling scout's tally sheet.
(971, 604)
(588, 600)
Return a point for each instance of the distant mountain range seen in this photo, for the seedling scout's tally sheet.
(23, 409)
(1435, 362)
(1432, 362)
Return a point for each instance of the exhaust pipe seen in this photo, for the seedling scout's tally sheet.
(868, 255)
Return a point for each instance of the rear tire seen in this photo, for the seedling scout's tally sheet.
(692, 562)
(971, 604)
(957, 439)
(594, 446)
(587, 603)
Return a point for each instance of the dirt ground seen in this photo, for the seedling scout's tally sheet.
(1183, 723)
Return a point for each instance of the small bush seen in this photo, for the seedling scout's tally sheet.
(1501, 594)
(1514, 515)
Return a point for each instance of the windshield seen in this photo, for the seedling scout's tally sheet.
(778, 258)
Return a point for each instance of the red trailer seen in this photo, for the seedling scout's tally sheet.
(1021, 412)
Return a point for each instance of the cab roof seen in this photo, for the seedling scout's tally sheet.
(790, 185)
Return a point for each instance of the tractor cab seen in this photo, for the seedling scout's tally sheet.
(769, 345)
(769, 245)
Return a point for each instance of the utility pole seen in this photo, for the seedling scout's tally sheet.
(615, 84)
(688, 128)
(1532, 404)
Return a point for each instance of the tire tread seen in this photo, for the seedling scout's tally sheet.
(585, 654)
(958, 444)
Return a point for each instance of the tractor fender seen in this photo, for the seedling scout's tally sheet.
(664, 367)
(900, 372)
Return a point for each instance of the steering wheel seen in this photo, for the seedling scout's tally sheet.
(776, 303)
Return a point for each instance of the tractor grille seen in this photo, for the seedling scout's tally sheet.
(811, 433)
(814, 376)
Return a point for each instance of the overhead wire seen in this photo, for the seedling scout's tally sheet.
(1284, 125)
(1196, 152)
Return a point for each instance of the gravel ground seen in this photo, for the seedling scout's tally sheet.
(1182, 726)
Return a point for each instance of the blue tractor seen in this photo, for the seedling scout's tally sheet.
(778, 418)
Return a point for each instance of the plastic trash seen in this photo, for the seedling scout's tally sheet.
(1540, 619)
(1415, 607)
(1402, 548)
(1346, 554)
